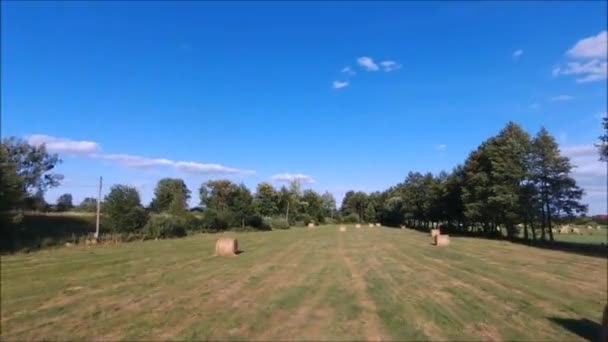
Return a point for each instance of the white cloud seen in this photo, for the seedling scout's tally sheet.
(535, 105)
(562, 98)
(590, 47)
(288, 177)
(441, 147)
(367, 63)
(339, 84)
(63, 145)
(590, 174)
(592, 52)
(593, 70)
(348, 71)
(390, 65)
(194, 167)
(518, 53)
(134, 161)
(90, 149)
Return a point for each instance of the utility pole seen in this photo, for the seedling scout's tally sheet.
(98, 209)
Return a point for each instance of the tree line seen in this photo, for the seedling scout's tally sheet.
(511, 181)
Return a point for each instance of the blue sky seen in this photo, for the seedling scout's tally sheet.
(260, 91)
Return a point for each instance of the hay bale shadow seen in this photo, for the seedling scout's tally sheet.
(584, 328)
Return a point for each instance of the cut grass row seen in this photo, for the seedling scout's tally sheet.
(304, 284)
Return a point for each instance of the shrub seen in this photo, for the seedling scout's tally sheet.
(350, 218)
(257, 222)
(329, 220)
(305, 218)
(123, 210)
(163, 226)
(217, 220)
(279, 223)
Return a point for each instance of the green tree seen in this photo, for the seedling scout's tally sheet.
(170, 194)
(370, 212)
(64, 202)
(329, 204)
(313, 205)
(89, 205)
(123, 211)
(603, 144)
(11, 183)
(33, 164)
(266, 200)
(551, 174)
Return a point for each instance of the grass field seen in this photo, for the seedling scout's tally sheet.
(304, 284)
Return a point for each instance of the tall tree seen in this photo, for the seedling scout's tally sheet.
(329, 204)
(64, 202)
(34, 165)
(551, 174)
(123, 210)
(170, 194)
(603, 144)
(266, 200)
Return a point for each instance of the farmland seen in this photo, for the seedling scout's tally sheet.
(304, 284)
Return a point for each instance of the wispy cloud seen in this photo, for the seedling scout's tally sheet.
(593, 70)
(441, 147)
(535, 105)
(518, 54)
(90, 149)
(590, 60)
(367, 63)
(347, 70)
(288, 177)
(390, 65)
(590, 174)
(63, 145)
(340, 84)
(561, 98)
(590, 47)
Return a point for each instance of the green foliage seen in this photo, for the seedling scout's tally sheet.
(64, 202)
(351, 218)
(33, 164)
(170, 194)
(219, 219)
(89, 205)
(165, 226)
(279, 223)
(123, 210)
(266, 200)
(603, 144)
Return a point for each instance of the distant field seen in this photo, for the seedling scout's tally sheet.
(304, 284)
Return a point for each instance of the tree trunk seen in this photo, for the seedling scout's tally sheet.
(533, 230)
(526, 229)
(542, 226)
(549, 222)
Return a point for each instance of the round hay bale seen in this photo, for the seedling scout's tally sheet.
(402, 227)
(377, 224)
(311, 225)
(435, 232)
(357, 226)
(226, 247)
(564, 230)
(442, 240)
(68, 244)
(370, 224)
(342, 228)
(576, 231)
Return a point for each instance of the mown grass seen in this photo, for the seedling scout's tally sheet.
(303, 284)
